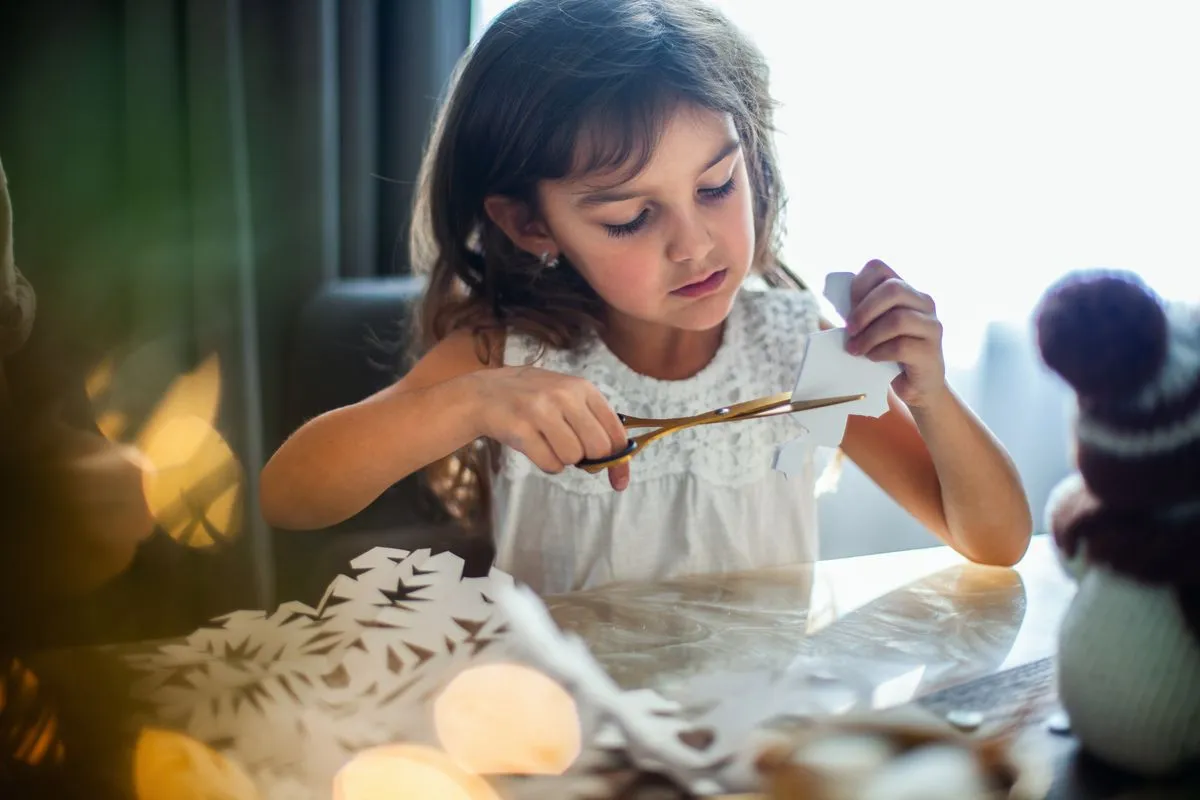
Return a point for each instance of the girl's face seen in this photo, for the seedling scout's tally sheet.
(672, 244)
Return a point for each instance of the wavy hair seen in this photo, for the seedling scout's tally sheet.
(545, 75)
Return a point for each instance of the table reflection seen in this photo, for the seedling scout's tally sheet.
(913, 621)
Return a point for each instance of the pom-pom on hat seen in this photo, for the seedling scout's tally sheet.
(1134, 363)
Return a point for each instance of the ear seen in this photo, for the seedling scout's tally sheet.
(521, 225)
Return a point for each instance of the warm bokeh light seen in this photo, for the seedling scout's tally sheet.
(194, 486)
(192, 482)
(29, 729)
(196, 395)
(399, 772)
(171, 766)
(112, 424)
(506, 719)
(100, 379)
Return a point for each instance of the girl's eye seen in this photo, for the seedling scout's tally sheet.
(629, 228)
(724, 190)
(639, 222)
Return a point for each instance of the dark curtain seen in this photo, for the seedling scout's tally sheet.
(185, 174)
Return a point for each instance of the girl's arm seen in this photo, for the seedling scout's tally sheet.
(338, 463)
(945, 468)
(929, 451)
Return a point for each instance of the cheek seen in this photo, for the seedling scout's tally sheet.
(625, 272)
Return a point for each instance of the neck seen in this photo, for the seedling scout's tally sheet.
(660, 351)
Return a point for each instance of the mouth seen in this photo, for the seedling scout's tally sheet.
(702, 287)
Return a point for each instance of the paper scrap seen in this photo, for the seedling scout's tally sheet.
(827, 370)
(837, 292)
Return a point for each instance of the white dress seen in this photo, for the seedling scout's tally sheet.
(703, 500)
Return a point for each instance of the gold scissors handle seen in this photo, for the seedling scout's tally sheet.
(751, 409)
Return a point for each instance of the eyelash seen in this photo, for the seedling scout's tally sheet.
(720, 192)
(636, 224)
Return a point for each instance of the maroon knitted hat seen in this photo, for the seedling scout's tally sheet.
(1134, 363)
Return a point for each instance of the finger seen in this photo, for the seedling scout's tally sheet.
(901, 349)
(618, 477)
(614, 429)
(903, 387)
(894, 323)
(562, 439)
(595, 439)
(535, 447)
(891, 293)
(871, 275)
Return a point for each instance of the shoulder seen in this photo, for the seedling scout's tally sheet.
(465, 351)
(460, 353)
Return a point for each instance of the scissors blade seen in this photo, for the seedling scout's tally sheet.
(751, 409)
(825, 402)
(723, 414)
(792, 406)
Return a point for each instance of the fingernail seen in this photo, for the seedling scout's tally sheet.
(852, 347)
(622, 483)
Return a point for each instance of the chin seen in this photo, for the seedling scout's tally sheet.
(702, 314)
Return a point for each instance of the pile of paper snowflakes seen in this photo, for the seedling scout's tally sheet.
(293, 694)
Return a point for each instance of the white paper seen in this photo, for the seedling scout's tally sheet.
(291, 695)
(827, 370)
(837, 292)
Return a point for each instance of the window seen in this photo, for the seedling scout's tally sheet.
(483, 12)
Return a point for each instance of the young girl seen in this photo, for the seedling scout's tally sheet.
(600, 186)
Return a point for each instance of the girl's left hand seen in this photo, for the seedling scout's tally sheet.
(891, 321)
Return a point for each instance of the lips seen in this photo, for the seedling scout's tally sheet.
(707, 285)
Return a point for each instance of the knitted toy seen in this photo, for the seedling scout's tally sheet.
(1127, 525)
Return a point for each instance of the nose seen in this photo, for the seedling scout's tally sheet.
(690, 240)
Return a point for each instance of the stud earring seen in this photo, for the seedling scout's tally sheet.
(548, 262)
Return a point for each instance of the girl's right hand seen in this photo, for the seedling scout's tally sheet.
(555, 420)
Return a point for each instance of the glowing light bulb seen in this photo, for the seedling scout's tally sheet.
(394, 772)
(506, 719)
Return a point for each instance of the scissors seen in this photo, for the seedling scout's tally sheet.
(770, 406)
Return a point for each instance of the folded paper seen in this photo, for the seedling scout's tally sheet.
(827, 370)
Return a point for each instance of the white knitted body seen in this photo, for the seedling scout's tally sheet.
(1129, 672)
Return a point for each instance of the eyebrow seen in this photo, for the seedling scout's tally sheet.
(616, 195)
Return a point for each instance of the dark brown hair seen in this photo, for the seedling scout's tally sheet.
(545, 73)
